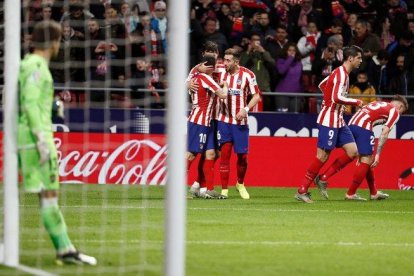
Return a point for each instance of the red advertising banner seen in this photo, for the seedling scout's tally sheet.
(273, 161)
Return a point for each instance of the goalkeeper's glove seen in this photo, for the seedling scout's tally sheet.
(42, 148)
(58, 109)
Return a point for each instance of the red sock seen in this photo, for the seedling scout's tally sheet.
(336, 166)
(189, 162)
(208, 169)
(359, 175)
(241, 167)
(310, 175)
(200, 178)
(371, 182)
(225, 154)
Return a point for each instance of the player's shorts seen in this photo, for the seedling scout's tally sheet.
(330, 138)
(199, 138)
(364, 139)
(237, 134)
(38, 177)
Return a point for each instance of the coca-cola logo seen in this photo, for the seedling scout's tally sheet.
(128, 162)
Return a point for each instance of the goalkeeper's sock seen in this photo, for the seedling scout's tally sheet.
(371, 182)
(310, 175)
(55, 225)
(225, 154)
(208, 170)
(359, 175)
(241, 167)
(336, 166)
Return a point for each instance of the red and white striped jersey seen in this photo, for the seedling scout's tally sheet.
(204, 100)
(376, 113)
(335, 88)
(241, 84)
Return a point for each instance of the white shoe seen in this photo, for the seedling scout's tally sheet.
(379, 196)
(242, 190)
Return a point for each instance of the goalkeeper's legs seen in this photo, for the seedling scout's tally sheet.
(56, 227)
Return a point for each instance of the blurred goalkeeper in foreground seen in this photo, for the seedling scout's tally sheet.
(37, 151)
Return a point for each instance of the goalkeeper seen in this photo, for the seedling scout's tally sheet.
(37, 152)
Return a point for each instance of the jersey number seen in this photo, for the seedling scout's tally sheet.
(331, 134)
(376, 105)
(203, 137)
(372, 140)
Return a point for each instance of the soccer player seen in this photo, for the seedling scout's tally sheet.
(201, 135)
(37, 151)
(361, 125)
(232, 125)
(333, 132)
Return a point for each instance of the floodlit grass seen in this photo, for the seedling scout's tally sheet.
(270, 234)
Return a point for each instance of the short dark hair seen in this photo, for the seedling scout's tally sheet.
(402, 100)
(383, 54)
(45, 32)
(209, 60)
(210, 46)
(351, 51)
(234, 52)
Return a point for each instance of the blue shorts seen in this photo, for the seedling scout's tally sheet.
(330, 138)
(364, 139)
(199, 138)
(236, 134)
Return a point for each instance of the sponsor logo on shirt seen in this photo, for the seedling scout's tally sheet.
(234, 92)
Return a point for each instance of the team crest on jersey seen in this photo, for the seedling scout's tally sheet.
(239, 81)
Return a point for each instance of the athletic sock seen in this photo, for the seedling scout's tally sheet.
(225, 154)
(55, 225)
(310, 175)
(208, 170)
(359, 175)
(371, 182)
(241, 167)
(200, 178)
(336, 166)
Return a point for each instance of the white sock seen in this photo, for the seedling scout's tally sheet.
(196, 185)
(203, 190)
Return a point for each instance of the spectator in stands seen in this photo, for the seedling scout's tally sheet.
(369, 42)
(349, 28)
(334, 29)
(279, 41)
(267, 33)
(289, 66)
(361, 87)
(396, 11)
(384, 33)
(410, 27)
(258, 60)
(225, 20)
(77, 17)
(401, 46)
(378, 73)
(159, 21)
(307, 47)
(211, 34)
(203, 9)
(241, 23)
(46, 13)
(129, 19)
(300, 16)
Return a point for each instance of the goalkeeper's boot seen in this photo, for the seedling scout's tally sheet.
(212, 194)
(76, 258)
(306, 197)
(354, 197)
(225, 192)
(242, 190)
(379, 196)
(322, 185)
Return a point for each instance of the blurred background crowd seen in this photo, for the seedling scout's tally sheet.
(117, 48)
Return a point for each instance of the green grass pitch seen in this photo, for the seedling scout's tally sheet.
(270, 234)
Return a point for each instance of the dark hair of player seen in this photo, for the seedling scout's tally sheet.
(209, 60)
(351, 51)
(46, 32)
(235, 53)
(211, 47)
(402, 100)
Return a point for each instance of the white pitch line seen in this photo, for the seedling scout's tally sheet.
(232, 209)
(264, 243)
(34, 271)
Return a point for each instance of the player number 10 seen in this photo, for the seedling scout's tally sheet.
(203, 137)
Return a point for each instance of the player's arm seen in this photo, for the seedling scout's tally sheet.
(339, 89)
(29, 103)
(222, 92)
(381, 142)
(209, 83)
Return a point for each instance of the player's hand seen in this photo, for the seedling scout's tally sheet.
(361, 103)
(203, 68)
(242, 114)
(192, 85)
(376, 161)
(42, 148)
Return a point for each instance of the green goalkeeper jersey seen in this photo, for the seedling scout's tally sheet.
(36, 95)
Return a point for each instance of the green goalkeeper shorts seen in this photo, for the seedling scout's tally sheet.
(38, 177)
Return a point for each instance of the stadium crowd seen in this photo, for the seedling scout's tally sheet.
(291, 45)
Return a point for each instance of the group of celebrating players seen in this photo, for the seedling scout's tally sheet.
(218, 122)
